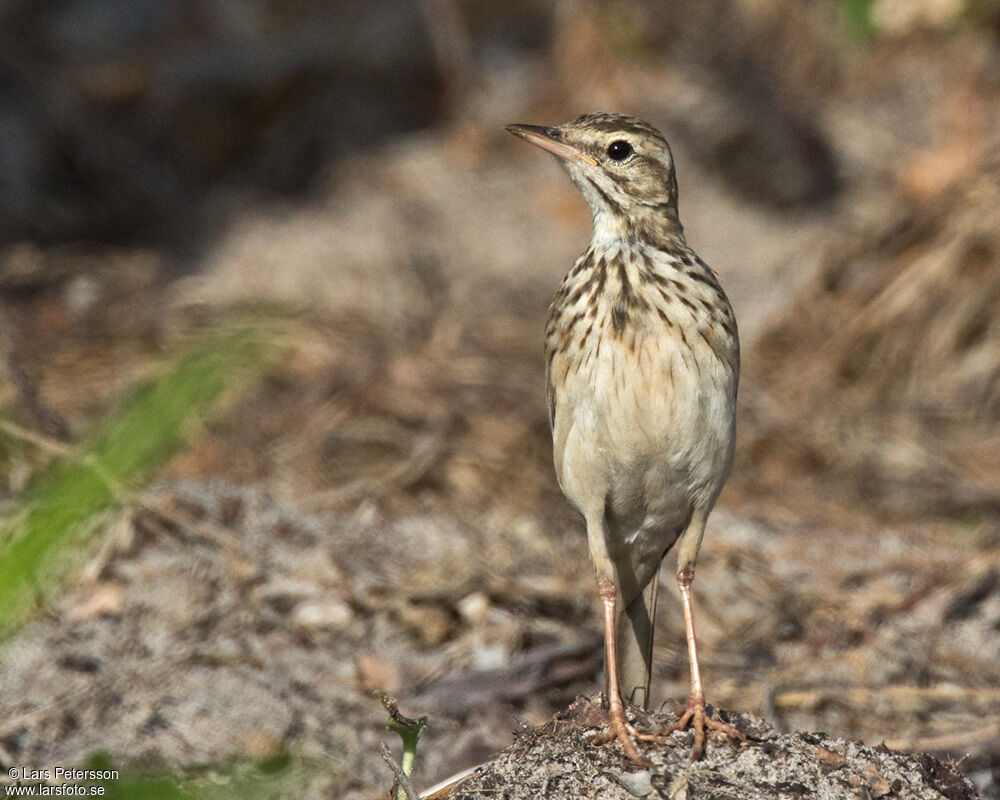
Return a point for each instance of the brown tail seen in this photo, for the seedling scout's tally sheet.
(634, 644)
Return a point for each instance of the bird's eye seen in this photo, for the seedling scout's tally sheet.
(619, 150)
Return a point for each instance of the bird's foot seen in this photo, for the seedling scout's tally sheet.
(623, 731)
(696, 715)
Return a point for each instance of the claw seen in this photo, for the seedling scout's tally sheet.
(696, 715)
(623, 731)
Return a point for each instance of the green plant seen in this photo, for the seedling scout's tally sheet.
(409, 730)
(69, 499)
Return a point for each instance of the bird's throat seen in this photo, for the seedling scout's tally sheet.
(657, 227)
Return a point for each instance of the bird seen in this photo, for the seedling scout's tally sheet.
(642, 362)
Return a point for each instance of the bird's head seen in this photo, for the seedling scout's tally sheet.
(625, 170)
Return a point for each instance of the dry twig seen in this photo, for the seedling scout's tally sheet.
(402, 779)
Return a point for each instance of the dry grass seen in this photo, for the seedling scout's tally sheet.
(884, 377)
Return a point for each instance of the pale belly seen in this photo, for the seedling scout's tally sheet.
(644, 437)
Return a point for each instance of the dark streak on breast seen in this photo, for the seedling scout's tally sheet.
(619, 318)
(664, 317)
(601, 271)
(702, 277)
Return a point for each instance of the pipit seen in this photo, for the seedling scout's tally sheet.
(642, 365)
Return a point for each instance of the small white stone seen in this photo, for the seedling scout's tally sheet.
(322, 615)
(490, 657)
(474, 607)
(82, 293)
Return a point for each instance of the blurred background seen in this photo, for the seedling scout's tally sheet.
(273, 282)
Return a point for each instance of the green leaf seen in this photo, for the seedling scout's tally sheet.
(859, 16)
(66, 503)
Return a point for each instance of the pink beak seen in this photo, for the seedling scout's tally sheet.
(548, 140)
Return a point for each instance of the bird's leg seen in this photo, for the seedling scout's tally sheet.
(620, 728)
(694, 713)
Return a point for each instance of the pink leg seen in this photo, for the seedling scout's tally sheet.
(695, 713)
(620, 729)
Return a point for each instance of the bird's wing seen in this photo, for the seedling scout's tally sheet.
(550, 396)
